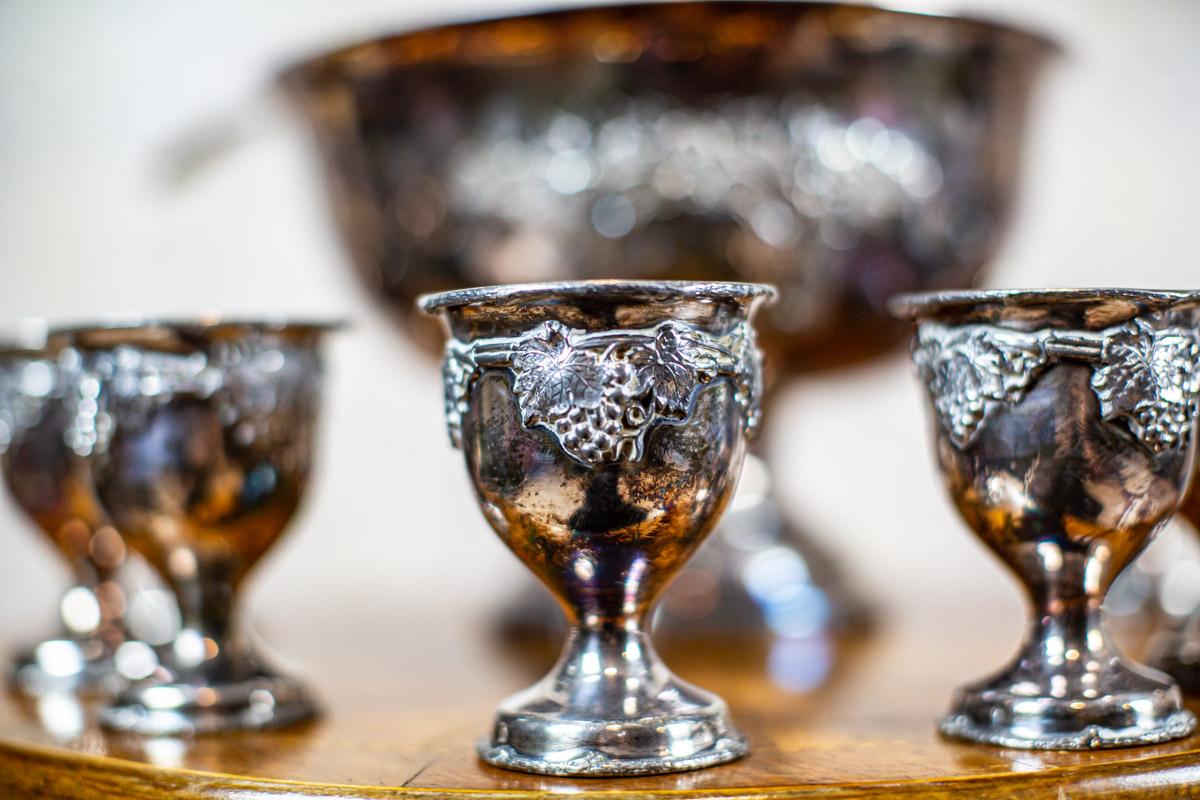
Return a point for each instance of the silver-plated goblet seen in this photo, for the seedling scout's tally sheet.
(604, 426)
(1065, 429)
(200, 439)
(840, 152)
(51, 486)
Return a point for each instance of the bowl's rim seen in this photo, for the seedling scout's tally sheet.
(438, 302)
(324, 60)
(195, 325)
(921, 305)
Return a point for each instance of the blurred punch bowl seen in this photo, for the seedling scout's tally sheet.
(604, 425)
(199, 435)
(1065, 423)
(843, 153)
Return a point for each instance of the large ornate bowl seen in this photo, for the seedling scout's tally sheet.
(842, 153)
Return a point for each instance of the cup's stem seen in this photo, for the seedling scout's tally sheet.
(214, 681)
(607, 665)
(206, 602)
(1069, 688)
(1067, 649)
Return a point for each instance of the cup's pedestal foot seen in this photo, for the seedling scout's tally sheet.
(1006, 714)
(686, 734)
(184, 709)
(75, 666)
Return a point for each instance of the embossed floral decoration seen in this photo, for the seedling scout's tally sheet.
(601, 393)
(1151, 378)
(1147, 376)
(972, 370)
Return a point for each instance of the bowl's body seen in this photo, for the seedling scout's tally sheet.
(842, 153)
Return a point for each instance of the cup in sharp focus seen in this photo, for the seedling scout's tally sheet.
(604, 425)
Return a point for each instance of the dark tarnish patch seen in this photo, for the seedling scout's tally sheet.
(604, 509)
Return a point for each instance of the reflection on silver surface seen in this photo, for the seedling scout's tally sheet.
(61, 714)
(1064, 425)
(199, 438)
(604, 518)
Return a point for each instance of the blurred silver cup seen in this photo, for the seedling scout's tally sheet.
(604, 426)
(840, 152)
(51, 485)
(200, 439)
(1065, 424)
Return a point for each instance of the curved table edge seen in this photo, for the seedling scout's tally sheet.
(43, 771)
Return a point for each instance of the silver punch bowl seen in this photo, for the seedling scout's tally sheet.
(842, 153)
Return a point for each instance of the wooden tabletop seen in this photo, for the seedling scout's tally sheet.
(405, 701)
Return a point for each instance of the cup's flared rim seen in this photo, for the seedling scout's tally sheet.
(330, 61)
(198, 326)
(922, 305)
(631, 290)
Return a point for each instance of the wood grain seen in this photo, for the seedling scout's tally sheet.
(828, 719)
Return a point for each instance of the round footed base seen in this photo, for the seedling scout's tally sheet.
(594, 764)
(1123, 719)
(81, 667)
(185, 709)
(607, 748)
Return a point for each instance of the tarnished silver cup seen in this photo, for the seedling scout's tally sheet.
(604, 426)
(1065, 429)
(200, 440)
(52, 487)
(841, 152)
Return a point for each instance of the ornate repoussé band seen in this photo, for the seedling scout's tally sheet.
(1145, 375)
(601, 393)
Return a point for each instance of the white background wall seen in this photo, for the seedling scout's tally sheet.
(94, 95)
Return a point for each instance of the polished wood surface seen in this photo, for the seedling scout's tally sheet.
(405, 702)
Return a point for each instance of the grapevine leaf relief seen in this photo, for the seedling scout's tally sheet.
(666, 369)
(553, 375)
(971, 370)
(1151, 379)
(1146, 376)
(600, 393)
